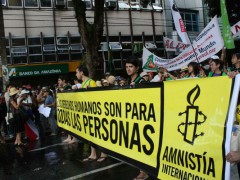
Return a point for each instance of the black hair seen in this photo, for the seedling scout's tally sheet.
(8, 85)
(237, 55)
(75, 79)
(133, 60)
(83, 69)
(195, 66)
(218, 62)
(63, 78)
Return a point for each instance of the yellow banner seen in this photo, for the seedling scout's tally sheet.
(174, 130)
(194, 121)
(123, 121)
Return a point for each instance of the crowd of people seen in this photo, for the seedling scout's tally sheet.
(16, 102)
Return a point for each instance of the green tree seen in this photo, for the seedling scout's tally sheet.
(91, 33)
(232, 6)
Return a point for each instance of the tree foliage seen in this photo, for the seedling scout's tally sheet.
(233, 7)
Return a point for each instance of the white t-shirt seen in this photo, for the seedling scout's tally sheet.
(78, 85)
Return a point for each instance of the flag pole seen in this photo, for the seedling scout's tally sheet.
(176, 9)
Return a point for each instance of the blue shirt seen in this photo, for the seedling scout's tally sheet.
(49, 100)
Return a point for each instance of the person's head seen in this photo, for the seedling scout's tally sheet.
(236, 59)
(62, 81)
(111, 80)
(75, 80)
(99, 83)
(150, 75)
(107, 74)
(145, 76)
(20, 90)
(122, 82)
(13, 92)
(105, 83)
(24, 94)
(8, 87)
(81, 71)
(132, 65)
(216, 65)
(45, 91)
(193, 68)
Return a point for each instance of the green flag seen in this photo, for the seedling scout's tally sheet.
(227, 34)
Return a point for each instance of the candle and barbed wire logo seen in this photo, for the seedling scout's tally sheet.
(194, 117)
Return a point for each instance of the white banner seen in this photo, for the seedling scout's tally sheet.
(172, 45)
(206, 44)
(177, 46)
(179, 25)
(236, 30)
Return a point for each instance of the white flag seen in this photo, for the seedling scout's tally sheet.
(207, 43)
(179, 25)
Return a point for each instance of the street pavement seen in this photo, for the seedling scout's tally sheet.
(51, 159)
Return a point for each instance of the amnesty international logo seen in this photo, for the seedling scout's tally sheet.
(194, 117)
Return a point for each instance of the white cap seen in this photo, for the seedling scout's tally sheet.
(214, 57)
(24, 92)
(156, 78)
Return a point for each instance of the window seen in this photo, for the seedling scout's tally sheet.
(75, 40)
(46, 3)
(70, 3)
(88, 3)
(18, 41)
(31, 3)
(19, 51)
(16, 3)
(19, 60)
(6, 42)
(115, 46)
(49, 57)
(4, 3)
(49, 48)
(190, 19)
(35, 58)
(113, 38)
(34, 41)
(35, 50)
(48, 40)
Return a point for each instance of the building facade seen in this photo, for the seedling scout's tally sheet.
(45, 32)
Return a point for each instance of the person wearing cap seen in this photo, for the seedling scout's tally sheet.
(50, 102)
(105, 83)
(27, 101)
(145, 76)
(122, 81)
(107, 74)
(184, 72)
(18, 123)
(43, 124)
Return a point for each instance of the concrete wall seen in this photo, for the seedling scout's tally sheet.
(42, 20)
